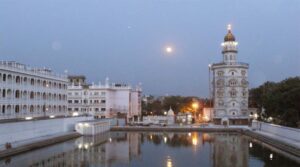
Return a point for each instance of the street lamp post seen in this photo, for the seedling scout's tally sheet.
(195, 106)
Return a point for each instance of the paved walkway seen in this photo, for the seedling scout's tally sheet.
(288, 141)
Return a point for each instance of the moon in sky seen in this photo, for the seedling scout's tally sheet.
(169, 49)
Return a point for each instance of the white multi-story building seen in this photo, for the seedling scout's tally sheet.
(230, 85)
(31, 92)
(103, 100)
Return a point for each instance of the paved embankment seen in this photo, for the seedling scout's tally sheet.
(35, 144)
(275, 141)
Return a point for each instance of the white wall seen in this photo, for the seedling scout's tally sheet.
(286, 132)
(20, 131)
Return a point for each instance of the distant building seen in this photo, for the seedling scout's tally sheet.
(230, 85)
(31, 92)
(103, 100)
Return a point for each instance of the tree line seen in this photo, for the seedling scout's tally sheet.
(278, 100)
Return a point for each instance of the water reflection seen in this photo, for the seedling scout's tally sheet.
(154, 149)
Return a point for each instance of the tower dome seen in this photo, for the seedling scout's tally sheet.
(229, 36)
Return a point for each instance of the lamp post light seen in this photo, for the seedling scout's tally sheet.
(195, 106)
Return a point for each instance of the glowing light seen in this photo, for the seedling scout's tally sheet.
(169, 49)
(86, 125)
(165, 139)
(229, 27)
(79, 146)
(165, 112)
(28, 118)
(169, 162)
(206, 118)
(195, 141)
(150, 137)
(52, 116)
(195, 105)
(250, 145)
(255, 115)
(75, 114)
(110, 140)
(190, 134)
(86, 146)
(271, 156)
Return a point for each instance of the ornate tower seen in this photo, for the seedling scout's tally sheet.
(230, 85)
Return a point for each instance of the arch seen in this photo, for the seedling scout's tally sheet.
(31, 108)
(17, 94)
(4, 77)
(31, 95)
(44, 84)
(44, 96)
(18, 79)
(3, 93)
(32, 81)
(3, 109)
(17, 109)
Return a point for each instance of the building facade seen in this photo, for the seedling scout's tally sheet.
(30, 92)
(230, 85)
(103, 100)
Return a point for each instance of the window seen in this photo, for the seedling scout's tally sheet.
(244, 82)
(76, 101)
(220, 93)
(32, 81)
(232, 73)
(233, 93)
(243, 72)
(232, 82)
(220, 83)
(4, 77)
(220, 73)
(69, 101)
(103, 109)
(103, 101)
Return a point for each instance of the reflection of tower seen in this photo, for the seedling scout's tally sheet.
(122, 151)
(230, 85)
(230, 150)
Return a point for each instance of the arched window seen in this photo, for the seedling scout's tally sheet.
(31, 108)
(17, 94)
(233, 93)
(17, 109)
(4, 77)
(31, 95)
(220, 83)
(32, 81)
(3, 109)
(18, 80)
(232, 82)
(3, 93)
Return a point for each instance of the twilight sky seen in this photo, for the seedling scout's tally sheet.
(124, 39)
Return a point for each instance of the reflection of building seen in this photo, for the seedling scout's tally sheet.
(31, 92)
(105, 101)
(230, 86)
(230, 150)
(104, 149)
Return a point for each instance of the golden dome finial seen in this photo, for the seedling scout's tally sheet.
(229, 36)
